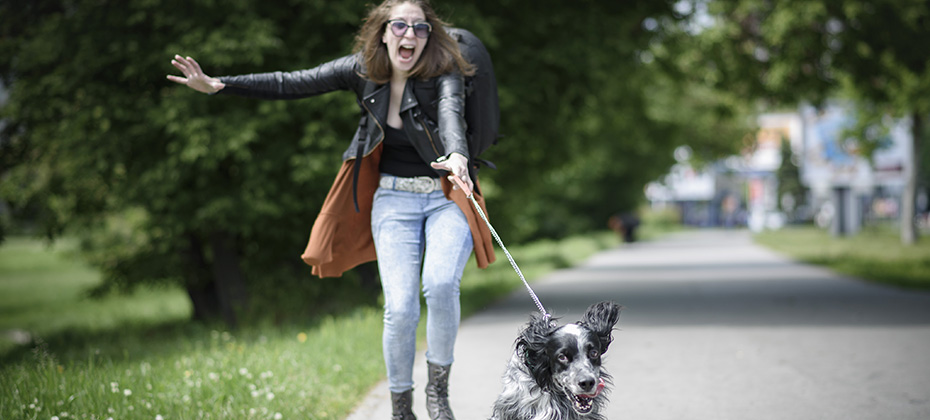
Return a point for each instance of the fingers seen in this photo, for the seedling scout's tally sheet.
(176, 79)
(459, 184)
(194, 65)
(187, 65)
(181, 64)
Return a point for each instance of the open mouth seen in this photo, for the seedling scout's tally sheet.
(406, 52)
(583, 403)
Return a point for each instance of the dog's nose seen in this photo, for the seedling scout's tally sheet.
(587, 384)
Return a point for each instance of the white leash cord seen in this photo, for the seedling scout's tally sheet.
(513, 263)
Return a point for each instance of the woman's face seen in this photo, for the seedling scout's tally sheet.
(405, 50)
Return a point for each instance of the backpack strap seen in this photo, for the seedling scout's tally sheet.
(360, 151)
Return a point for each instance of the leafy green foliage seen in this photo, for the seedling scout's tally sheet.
(586, 121)
(860, 50)
(150, 173)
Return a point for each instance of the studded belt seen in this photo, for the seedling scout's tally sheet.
(420, 184)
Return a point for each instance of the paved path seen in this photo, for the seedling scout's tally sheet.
(715, 328)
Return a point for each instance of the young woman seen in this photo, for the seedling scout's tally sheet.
(391, 200)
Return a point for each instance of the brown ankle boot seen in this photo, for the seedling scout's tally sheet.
(437, 393)
(402, 403)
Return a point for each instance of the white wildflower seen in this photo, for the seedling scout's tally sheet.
(278, 416)
(127, 392)
(269, 396)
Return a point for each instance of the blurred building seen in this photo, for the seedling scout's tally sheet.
(843, 188)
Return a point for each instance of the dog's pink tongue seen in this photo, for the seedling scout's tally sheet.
(600, 386)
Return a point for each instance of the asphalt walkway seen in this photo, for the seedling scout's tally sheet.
(715, 328)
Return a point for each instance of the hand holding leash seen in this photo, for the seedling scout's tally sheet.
(458, 166)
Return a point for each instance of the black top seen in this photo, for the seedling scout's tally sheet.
(400, 158)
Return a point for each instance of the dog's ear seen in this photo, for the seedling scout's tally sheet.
(532, 344)
(601, 318)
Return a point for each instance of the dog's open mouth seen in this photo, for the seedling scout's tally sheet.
(583, 403)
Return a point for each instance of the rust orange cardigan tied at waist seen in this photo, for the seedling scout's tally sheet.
(341, 237)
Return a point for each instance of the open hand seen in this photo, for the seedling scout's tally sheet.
(194, 77)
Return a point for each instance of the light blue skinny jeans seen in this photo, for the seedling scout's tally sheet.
(418, 236)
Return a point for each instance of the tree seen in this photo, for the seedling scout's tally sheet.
(215, 194)
(786, 51)
(218, 194)
(588, 119)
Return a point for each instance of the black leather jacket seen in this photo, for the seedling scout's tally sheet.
(432, 110)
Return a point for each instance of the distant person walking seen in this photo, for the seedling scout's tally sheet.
(391, 200)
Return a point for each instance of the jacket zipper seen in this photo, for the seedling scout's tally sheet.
(430, 137)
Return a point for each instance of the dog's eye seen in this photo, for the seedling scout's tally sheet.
(593, 353)
(562, 358)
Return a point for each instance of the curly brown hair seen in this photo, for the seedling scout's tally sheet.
(441, 54)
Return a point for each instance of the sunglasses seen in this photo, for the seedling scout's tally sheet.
(421, 30)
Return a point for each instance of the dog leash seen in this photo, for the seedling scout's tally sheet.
(471, 196)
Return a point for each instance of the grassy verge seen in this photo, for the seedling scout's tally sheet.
(136, 356)
(875, 254)
(43, 292)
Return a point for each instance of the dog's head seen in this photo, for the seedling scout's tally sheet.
(566, 360)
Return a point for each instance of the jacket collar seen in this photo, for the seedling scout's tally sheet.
(377, 99)
(409, 100)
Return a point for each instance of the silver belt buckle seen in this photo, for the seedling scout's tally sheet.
(421, 185)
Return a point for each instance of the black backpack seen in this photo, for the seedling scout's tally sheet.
(482, 112)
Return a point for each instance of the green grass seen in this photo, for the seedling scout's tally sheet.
(43, 290)
(137, 356)
(876, 254)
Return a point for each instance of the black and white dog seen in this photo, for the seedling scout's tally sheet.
(555, 372)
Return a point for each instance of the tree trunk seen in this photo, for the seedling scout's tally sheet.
(369, 281)
(227, 275)
(199, 282)
(908, 225)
